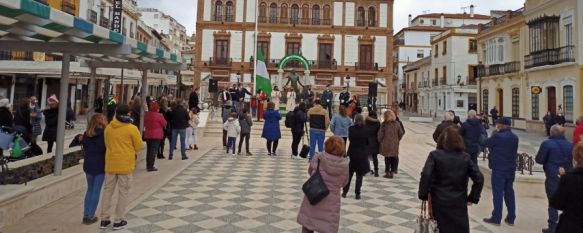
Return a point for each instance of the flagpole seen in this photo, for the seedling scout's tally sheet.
(255, 49)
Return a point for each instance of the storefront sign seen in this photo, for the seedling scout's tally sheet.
(536, 90)
(116, 22)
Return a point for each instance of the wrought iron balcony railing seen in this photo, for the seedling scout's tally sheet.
(550, 57)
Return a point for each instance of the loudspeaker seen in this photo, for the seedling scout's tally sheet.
(213, 86)
(372, 89)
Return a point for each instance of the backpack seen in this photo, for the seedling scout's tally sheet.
(290, 119)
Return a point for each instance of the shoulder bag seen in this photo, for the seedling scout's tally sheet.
(425, 221)
(315, 188)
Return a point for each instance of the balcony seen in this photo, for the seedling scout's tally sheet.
(220, 61)
(498, 69)
(324, 65)
(434, 83)
(92, 16)
(104, 22)
(224, 18)
(550, 57)
(68, 7)
(442, 81)
(366, 66)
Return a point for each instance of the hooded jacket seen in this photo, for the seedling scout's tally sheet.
(245, 122)
(232, 127)
(94, 150)
(471, 131)
(123, 141)
(325, 216)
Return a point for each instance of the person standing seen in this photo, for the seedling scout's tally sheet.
(446, 123)
(6, 118)
(233, 130)
(445, 176)
(567, 197)
(560, 119)
(35, 118)
(261, 98)
(549, 121)
(22, 120)
(165, 111)
(333, 166)
(245, 122)
(97, 105)
(234, 93)
(353, 107)
(51, 120)
(554, 154)
(191, 132)
(298, 128)
(503, 146)
(340, 123)
(578, 131)
(271, 131)
(327, 97)
(373, 125)
(275, 97)
(111, 107)
(193, 100)
(357, 151)
(225, 98)
(471, 131)
(344, 97)
(494, 114)
(93, 165)
(136, 105)
(291, 100)
(123, 141)
(242, 94)
(225, 114)
(389, 135)
(154, 127)
(178, 122)
(319, 122)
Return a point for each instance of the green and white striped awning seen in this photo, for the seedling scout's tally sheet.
(28, 20)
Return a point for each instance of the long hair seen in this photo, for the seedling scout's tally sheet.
(97, 121)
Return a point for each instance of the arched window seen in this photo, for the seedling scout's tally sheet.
(326, 15)
(372, 17)
(305, 14)
(316, 15)
(262, 12)
(283, 14)
(360, 15)
(229, 12)
(273, 13)
(218, 11)
(295, 14)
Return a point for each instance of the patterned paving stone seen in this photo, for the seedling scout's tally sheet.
(263, 194)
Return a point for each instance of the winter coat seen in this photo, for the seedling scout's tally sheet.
(494, 114)
(440, 128)
(232, 127)
(94, 150)
(373, 125)
(123, 141)
(445, 176)
(245, 122)
(154, 125)
(560, 120)
(389, 136)
(577, 133)
(22, 120)
(555, 153)
(193, 100)
(503, 146)
(179, 118)
(271, 130)
(300, 119)
(318, 118)
(567, 198)
(325, 216)
(6, 118)
(225, 114)
(51, 121)
(327, 97)
(549, 120)
(357, 149)
(471, 131)
(340, 124)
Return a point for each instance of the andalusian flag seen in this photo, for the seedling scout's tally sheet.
(262, 80)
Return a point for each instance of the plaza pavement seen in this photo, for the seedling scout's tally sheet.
(214, 193)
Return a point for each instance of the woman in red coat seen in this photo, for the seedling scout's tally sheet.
(261, 98)
(154, 125)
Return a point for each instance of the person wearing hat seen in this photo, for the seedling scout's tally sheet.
(503, 145)
(344, 97)
(327, 97)
(51, 120)
(6, 119)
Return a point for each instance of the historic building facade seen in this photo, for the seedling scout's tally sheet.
(345, 42)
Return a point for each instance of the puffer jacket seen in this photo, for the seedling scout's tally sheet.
(123, 141)
(318, 118)
(232, 127)
(503, 146)
(471, 131)
(154, 125)
(340, 124)
(245, 122)
(555, 153)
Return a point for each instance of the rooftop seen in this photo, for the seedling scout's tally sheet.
(452, 16)
(507, 17)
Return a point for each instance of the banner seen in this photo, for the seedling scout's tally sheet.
(116, 21)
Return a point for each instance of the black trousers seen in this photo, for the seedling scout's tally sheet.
(161, 146)
(272, 146)
(375, 162)
(358, 184)
(225, 138)
(50, 146)
(393, 165)
(152, 149)
(244, 136)
(296, 138)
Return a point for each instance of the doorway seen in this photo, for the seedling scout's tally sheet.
(500, 104)
(552, 100)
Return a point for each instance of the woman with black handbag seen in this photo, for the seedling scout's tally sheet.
(332, 167)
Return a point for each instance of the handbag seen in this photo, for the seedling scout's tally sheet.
(305, 148)
(6, 140)
(425, 221)
(315, 188)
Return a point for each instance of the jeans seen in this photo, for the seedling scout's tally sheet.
(175, 134)
(393, 164)
(296, 137)
(151, 150)
(191, 136)
(94, 183)
(358, 184)
(234, 105)
(551, 184)
(231, 144)
(316, 137)
(272, 146)
(502, 188)
(123, 189)
(244, 136)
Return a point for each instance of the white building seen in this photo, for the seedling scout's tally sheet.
(166, 25)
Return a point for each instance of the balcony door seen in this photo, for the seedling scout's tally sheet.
(500, 105)
(325, 56)
(221, 51)
(365, 57)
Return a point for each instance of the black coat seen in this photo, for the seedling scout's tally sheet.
(179, 118)
(471, 131)
(373, 126)
(440, 128)
(193, 100)
(6, 118)
(357, 150)
(300, 119)
(445, 176)
(22, 122)
(51, 121)
(567, 198)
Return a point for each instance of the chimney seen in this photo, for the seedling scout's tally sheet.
(442, 20)
(472, 11)
(410, 20)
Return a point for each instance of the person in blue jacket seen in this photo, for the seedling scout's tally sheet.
(554, 153)
(340, 123)
(271, 131)
(471, 131)
(503, 145)
(93, 165)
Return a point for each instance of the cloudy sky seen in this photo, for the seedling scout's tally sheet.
(185, 10)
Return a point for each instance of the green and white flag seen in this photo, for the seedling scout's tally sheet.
(262, 80)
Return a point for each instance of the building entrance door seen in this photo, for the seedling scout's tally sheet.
(552, 100)
(500, 103)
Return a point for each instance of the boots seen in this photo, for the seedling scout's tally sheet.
(195, 147)
(389, 175)
(376, 173)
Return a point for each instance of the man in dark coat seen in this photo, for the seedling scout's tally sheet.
(373, 125)
(298, 129)
(471, 131)
(549, 120)
(447, 122)
(344, 97)
(503, 145)
(327, 97)
(554, 154)
(234, 97)
(567, 197)
(193, 100)
(494, 114)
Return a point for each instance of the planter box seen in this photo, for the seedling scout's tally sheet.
(38, 169)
